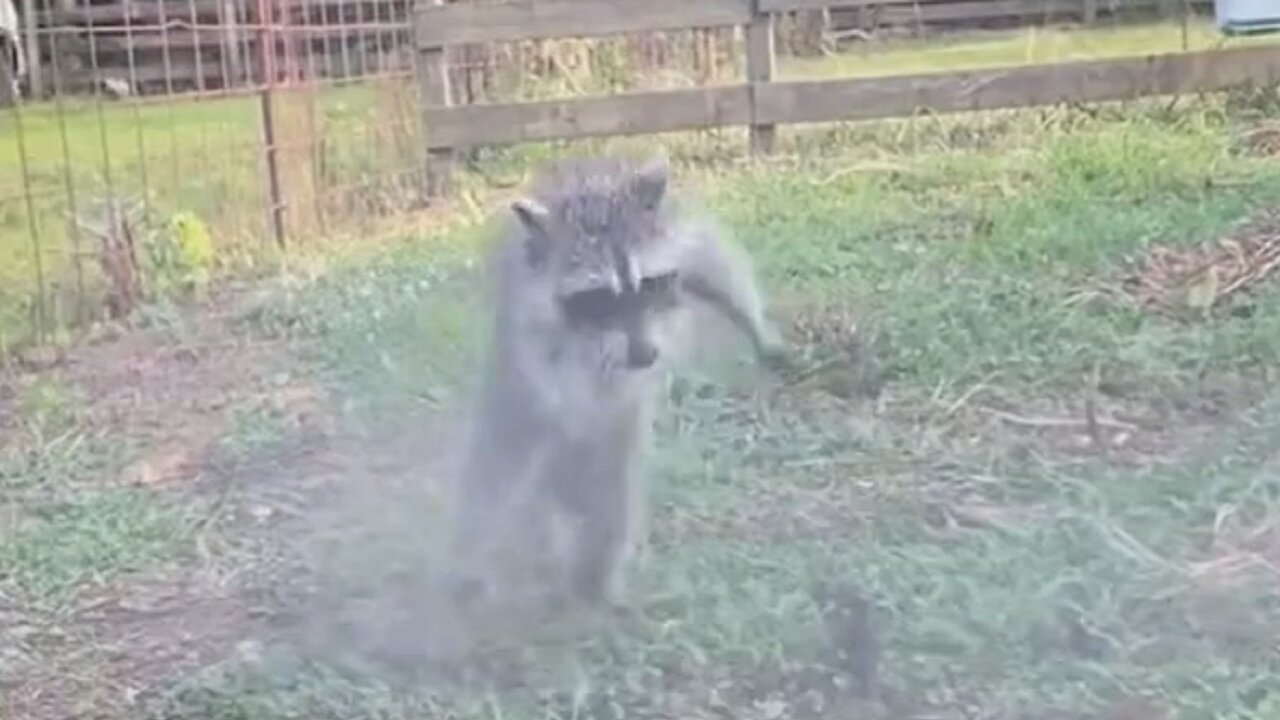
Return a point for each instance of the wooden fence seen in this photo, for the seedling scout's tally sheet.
(166, 45)
(761, 103)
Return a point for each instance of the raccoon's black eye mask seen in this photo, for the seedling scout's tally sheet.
(601, 307)
(658, 284)
(597, 307)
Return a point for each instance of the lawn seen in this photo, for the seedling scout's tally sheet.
(1031, 496)
(1050, 44)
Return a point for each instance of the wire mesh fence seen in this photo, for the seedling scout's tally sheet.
(154, 134)
(248, 123)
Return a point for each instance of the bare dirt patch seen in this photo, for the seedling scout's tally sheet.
(170, 395)
(98, 660)
(165, 389)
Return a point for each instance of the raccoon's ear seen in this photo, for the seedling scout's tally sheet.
(650, 184)
(533, 216)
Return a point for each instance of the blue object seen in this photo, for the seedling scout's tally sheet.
(1240, 17)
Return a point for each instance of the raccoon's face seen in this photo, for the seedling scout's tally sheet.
(632, 309)
(592, 243)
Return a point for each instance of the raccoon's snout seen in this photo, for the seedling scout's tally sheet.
(641, 354)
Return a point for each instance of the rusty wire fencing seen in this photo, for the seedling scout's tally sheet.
(158, 138)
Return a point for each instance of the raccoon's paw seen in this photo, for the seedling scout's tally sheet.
(777, 356)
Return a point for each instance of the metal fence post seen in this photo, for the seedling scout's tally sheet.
(266, 34)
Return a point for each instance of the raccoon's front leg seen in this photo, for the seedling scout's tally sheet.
(716, 275)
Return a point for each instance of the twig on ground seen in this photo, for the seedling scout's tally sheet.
(1051, 422)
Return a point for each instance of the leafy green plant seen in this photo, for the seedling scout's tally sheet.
(179, 256)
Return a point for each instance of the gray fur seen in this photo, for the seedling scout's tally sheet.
(566, 404)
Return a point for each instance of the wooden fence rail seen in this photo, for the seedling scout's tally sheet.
(207, 45)
(762, 103)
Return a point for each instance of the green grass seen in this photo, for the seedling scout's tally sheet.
(1016, 47)
(84, 543)
(255, 432)
(64, 527)
(1077, 592)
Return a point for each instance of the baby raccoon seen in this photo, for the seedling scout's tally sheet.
(592, 276)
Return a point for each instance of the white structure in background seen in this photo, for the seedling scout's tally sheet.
(12, 64)
(1247, 16)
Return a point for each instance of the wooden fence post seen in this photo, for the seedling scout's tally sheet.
(760, 67)
(35, 66)
(433, 91)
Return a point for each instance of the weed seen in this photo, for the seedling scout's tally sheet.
(64, 525)
(63, 547)
(61, 532)
(181, 258)
(255, 431)
(48, 407)
(53, 461)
